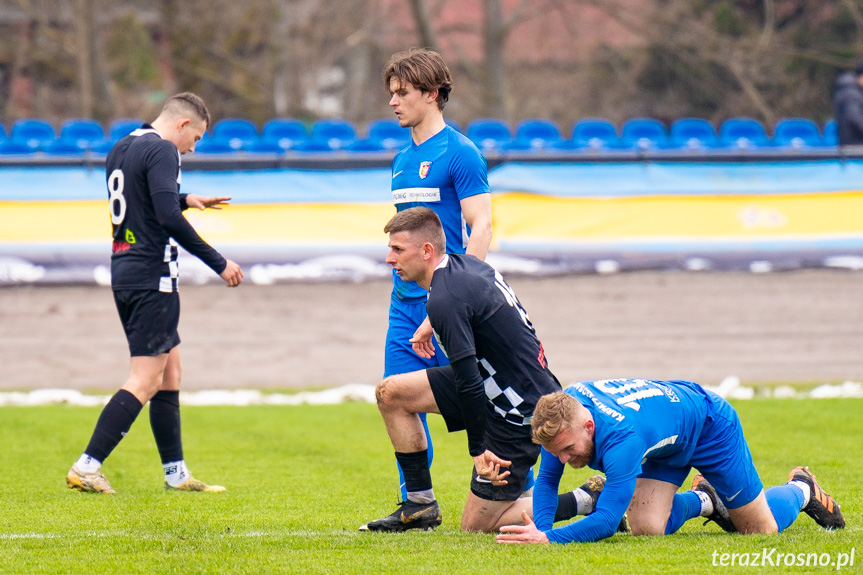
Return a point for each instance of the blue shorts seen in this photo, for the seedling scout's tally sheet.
(399, 356)
(721, 455)
(150, 319)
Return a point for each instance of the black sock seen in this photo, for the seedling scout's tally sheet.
(113, 424)
(165, 422)
(567, 508)
(415, 467)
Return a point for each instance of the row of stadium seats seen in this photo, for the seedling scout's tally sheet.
(651, 134)
(29, 136)
(281, 135)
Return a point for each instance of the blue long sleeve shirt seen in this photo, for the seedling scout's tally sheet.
(636, 420)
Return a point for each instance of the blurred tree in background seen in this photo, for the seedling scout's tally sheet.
(512, 59)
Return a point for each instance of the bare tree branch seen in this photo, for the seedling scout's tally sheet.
(769, 24)
(854, 10)
(494, 38)
(749, 88)
(85, 79)
(427, 37)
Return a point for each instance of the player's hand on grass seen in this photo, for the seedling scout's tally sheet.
(422, 340)
(488, 466)
(232, 274)
(527, 533)
(204, 202)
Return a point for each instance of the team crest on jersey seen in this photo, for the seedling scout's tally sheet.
(424, 169)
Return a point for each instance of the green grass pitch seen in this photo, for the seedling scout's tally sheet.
(301, 479)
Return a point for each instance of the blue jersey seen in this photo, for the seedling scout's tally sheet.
(637, 421)
(438, 174)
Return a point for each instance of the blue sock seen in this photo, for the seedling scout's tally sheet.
(785, 502)
(402, 488)
(684, 506)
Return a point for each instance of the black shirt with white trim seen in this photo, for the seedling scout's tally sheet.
(143, 177)
(475, 313)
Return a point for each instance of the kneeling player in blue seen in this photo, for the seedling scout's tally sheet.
(646, 436)
(497, 372)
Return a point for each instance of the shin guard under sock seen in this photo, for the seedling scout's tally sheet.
(785, 502)
(416, 471)
(684, 506)
(113, 424)
(165, 423)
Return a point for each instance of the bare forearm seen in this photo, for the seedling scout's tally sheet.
(477, 213)
(480, 239)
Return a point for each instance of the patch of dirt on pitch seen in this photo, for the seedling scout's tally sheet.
(802, 326)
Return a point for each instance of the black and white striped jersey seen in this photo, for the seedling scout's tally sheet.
(143, 177)
(473, 311)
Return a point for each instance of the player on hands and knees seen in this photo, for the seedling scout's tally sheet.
(143, 176)
(646, 436)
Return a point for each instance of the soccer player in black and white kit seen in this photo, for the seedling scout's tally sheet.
(143, 176)
(497, 373)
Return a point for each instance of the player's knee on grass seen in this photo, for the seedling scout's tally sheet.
(485, 516)
(754, 517)
(644, 524)
(477, 524)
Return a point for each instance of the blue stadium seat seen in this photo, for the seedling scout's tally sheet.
(337, 134)
(121, 128)
(389, 134)
(366, 145)
(83, 132)
(117, 130)
(238, 132)
(797, 133)
(103, 147)
(210, 145)
(264, 146)
(34, 132)
(831, 133)
(743, 133)
(3, 135)
(314, 145)
(285, 132)
(693, 134)
(595, 134)
(536, 135)
(10, 147)
(488, 133)
(644, 133)
(62, 147)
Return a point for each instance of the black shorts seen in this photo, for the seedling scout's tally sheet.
(150, 320)
(506, 440)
